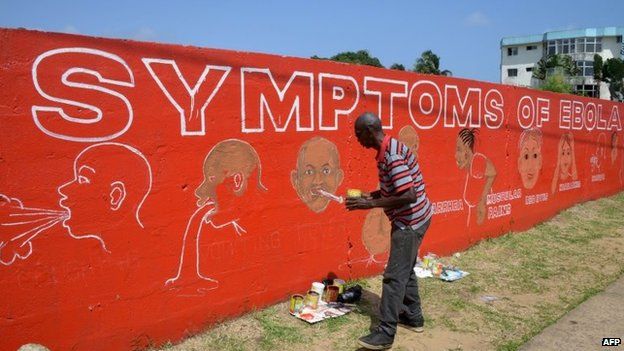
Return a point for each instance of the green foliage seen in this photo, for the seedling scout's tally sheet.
(613, 73)
(557, 84)
(398, 67)
(598, 67)
(361, 57)
(557, 64)
(429, 63)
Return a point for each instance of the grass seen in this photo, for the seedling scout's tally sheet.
(535, 277)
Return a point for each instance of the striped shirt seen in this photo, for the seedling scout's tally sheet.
(399, 171)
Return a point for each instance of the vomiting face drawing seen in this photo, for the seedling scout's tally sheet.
(318, 168)
(231, 163)
(111, 182)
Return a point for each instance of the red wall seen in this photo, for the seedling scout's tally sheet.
(151, 190)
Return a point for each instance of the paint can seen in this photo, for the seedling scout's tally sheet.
(340, 284)
(332, 293)
(354, 193)
(318, 288)
(296, 303)
(312, 299)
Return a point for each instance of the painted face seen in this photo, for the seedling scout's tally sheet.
(463, 154)
(530, 162)
(318, 168)
(566, 160)
(86, 198)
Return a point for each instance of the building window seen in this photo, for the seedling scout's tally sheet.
(512, 72)
(512, 51)
(586, 68)
(590, 90)
(529, 69)
(531, 47)
(571, 46)
(618, 39)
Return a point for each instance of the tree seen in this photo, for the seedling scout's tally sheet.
(554, 72)
(613, 74)
(556, 83)
(429, 63)
(598, 71)
(555, 64)
(361, 57)
(398, 67)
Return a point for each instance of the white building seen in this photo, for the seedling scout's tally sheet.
(519, 55)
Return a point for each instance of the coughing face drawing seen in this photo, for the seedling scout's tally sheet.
(111, 182)
(530, 157)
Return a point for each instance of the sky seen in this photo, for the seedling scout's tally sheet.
(465, 34)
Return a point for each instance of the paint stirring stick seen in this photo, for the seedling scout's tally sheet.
(330, 196)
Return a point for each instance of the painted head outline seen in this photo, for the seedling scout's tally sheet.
(233, 160)
(409, 137)
(464, 147)
(110, 180)
(318, 168)
(530, 156)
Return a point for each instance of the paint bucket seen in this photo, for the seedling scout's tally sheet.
(312, 299)
(354, 193)
(332, 293)
(318, 288)
(340, 284)
(296, 304)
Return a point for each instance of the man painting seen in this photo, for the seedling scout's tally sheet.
(403, 198)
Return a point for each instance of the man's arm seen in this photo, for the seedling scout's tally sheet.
(362, 203)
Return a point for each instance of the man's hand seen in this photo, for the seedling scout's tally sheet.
(359, 203)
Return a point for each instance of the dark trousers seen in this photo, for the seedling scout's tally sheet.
(400, 287)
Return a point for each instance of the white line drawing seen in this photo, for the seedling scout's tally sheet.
(338, 93)
(614, 147)
(192, 92)
(93, 175)
(231, 162)
(297, 109)
(65, 79)
(455, 115)
(598, 157)
(19, 225)
(433, 97)
(394, 94)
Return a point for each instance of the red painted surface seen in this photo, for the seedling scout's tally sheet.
(100, 205)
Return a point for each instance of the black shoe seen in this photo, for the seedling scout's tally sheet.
(377, 340)
(416, 325)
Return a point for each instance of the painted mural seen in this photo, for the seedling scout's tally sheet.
(148, 191)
